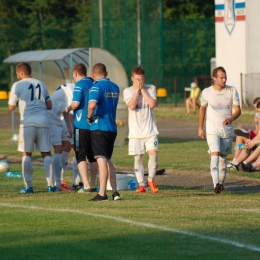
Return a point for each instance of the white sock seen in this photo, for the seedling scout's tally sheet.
(48, 169)
(76, 175)
(139, 169)
(234, 161)
(64, 163)
(222, 169)
(57, 168)
(27, 171)
(214, 170)
(152, 167)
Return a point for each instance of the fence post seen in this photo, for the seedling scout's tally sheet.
(175, 91)
(241, 89)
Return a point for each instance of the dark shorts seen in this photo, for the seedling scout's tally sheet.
(103, 143)
(82, 144)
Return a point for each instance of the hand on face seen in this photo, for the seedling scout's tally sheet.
(138, 82)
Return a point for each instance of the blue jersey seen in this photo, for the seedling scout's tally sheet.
(106, 94)
(80, 95)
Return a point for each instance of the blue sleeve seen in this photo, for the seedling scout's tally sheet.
(94, 94)
(77, 93)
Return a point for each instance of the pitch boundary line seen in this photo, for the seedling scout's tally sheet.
(142, 224)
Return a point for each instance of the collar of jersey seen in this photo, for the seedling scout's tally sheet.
(103, 79)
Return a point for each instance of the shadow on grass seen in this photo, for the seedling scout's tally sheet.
(168, 140)
(238, 187)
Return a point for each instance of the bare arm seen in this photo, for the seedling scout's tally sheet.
(91, 108)
(48, 104)
(202, 114)
(234, 116)
(150, 101)
(11, 107)
(133, 101)
(67, 120)
(256, 121)
(72, 106)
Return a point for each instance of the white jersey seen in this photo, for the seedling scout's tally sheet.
(219, 107)
(141, 121)
(61, 99)
(31, 94)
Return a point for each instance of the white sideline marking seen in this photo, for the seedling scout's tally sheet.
(149, 225)
(252, 210)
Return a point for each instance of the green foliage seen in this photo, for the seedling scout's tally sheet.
(188, 9)
(170, 47)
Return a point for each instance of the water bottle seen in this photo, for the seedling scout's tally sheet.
(13, 174)
(97, 183)
(132, 185)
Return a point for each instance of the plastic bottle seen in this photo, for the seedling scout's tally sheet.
(132, 185)
(97, 183)
(13, 174)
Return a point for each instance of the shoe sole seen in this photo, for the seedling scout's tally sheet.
(238, 132)
(117, 198)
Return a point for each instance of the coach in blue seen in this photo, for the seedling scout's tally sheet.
(103, 100)
(82, 141)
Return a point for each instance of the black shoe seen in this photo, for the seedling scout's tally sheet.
(241, 132)
(235, 166)
(221, 187)
(217, 188)
(247, 167)
(99, 198)
(116, 196)
(93, 189)
(160, 172)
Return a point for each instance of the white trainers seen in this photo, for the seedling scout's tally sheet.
(241, 132)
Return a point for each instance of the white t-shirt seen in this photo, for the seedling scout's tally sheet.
(219, 107)
(141, 121)
(31, 94)
(61, 99)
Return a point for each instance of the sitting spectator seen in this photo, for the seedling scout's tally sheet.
(243, 135)
(194, 99)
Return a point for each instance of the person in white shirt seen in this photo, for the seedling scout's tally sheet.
(141, 99)
(61, 98)
(220, 103)
(34, 100)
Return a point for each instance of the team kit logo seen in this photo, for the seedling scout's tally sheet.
(229, 12)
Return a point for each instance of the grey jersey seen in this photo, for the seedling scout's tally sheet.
(31, 95)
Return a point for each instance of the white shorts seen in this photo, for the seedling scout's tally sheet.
(56, 134)
(137, 146)
(218, 144)
(28, 136)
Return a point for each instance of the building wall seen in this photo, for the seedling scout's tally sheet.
(252, 36)
(231, 39)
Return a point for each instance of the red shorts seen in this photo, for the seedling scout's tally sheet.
(252, 134)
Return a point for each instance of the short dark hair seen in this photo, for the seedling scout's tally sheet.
(138, 71)
(81, 69)
(258, 104)
(215, 71)
(99, 69)
(24, 67)
(256, 100)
